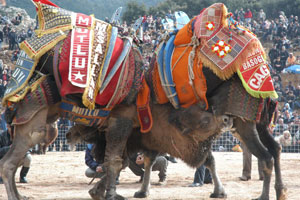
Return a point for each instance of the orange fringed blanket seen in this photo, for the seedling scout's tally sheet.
(188, 93)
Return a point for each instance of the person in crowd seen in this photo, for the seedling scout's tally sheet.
(147, 38)
(2, 89)
(278, 65)
(29, 32)
(281, 31)
(1, 39)
(5, 143)
(241, 15)
(94, 170)
(285, 140)
(280, 127)
(17, 20)
(136, 165)
(171, 15)
(22, 36)
(287, 107)
(63, 126)
(95, 167)
(291, 60)
(4, 76)
(262, 15)
(247, 165)
(12, 39)
(287, 117)
(286, 42)
(295, 126)
(284, 54)
(6, 30)
(290, 86)
(290, 99)
(297, 95)
(248, 16)
(15, 55)
(202, 176)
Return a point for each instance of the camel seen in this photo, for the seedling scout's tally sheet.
(51, 134)
(172, 132)
(193, 147)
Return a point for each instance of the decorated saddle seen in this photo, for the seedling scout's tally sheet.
(214, 40)
(90, 61)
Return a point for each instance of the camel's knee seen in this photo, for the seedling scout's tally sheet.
(8, 169)
(114, 162)
(267, 166)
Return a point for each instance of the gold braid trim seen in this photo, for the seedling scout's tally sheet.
(45, 49)
(6, 98)
(41, 19)
(31, 88)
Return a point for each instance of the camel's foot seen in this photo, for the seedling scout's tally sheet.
(115, 197)
(222, 195)
(281, 192)
(262, 198)
(141, 194)
(95, 194)
(161, 183)
(23, 197)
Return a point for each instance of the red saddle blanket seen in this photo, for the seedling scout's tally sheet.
(67, 88)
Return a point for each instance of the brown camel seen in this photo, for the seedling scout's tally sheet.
(197, 129)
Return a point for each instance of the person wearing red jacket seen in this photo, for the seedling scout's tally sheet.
(248, 16)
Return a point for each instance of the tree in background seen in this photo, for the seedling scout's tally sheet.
(133, 11)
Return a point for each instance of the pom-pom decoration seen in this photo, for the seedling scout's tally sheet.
(210, 25)
(221, 48)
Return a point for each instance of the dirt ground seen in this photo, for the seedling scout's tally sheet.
(60, 176)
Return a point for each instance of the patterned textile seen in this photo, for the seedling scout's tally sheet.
(137, 61)
(125, 81)
(240, 103)
(239, 44)
(101, 38)
(122, 80)
(189, 90)
(255, 76)
(215, 14)
(45, 93)
(36, 46)
(224, 44)
(81, 49)
(226, 47)
(83, 116)
(165, 71)
(143, 108)
(52, 19)
(21, 79)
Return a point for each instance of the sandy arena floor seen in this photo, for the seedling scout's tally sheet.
(60, 176)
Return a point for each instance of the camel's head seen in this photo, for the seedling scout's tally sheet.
(196, 121)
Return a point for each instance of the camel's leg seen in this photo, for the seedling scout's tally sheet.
(275, 150)
(26, 136)
(149, 160)
(248, 133)
(98, 191)
(117, 135)
(219, 191)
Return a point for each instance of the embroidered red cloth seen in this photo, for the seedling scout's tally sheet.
(255, 76)
(67, 88)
